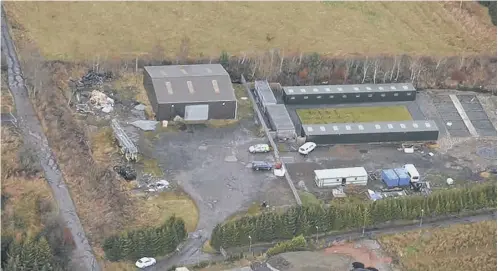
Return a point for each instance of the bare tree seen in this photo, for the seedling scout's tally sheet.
(392, 70)
(282, 56)
(397, 70)
(376, 66)
(365, 69)
(462, 62)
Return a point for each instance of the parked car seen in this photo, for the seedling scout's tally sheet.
(258, 148)
(145, 262)
(261, 165)
(307, 148)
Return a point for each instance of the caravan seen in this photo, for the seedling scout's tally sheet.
(412, 172)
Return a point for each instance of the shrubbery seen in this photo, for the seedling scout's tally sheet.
(148, 242)
(295, 244)
(304, 220)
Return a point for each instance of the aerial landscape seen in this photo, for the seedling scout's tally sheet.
(284, 136)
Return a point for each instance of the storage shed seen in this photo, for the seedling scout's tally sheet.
(367, 132)
(264, 94)
(341, 176)
(280, 121)
(340, 94)
(193, 92)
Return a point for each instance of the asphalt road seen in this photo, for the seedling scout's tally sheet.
(83, 257)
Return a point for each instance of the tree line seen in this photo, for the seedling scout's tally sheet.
(30, 254)
(309, 220)
(149, 242)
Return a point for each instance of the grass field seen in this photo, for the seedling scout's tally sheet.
(353, 114)
(83, 30)
(457, 248)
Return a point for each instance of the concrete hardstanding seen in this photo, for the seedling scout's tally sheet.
(340, 94)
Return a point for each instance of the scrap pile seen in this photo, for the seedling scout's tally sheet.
(92, 79)
(126, 145)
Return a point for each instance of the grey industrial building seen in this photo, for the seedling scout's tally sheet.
(340, 94)
(352, 133)
(280, 121)
(264, 94)
(193, 92)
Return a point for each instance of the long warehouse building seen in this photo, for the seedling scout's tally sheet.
(371, 132)
(339, 94)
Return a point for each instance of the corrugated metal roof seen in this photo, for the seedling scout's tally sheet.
(340, 173)
(191, 83)
(370, 127)
(348, 89)
(193, 89)
(264, 91)
(169, 71)
(280, 117)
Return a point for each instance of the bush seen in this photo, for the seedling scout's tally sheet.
(297, 243)
(147, 242)
(28, 162)
(304, 220)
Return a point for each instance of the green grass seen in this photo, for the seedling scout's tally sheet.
(114, 30)
(309, 199)
(353, 114)
(244, 107)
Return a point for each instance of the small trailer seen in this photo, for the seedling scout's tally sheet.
(341, 176)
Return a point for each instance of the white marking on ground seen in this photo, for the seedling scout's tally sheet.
(465, 118)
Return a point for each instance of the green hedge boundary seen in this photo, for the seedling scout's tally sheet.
(305, 220)
(148, 242)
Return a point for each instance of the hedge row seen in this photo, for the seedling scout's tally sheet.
(308, 220)
(149, 242)
(295, 244)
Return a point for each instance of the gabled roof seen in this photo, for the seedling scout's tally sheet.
(191, 83)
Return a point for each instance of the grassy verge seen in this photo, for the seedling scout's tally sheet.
(103, 145)
(156, 209)
(26, 200)
(458, 247)
(7, 99)
(370, 28)
(353, 114)
(309, 199)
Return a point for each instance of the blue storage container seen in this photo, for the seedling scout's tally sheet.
(389, 177)
(404, 178)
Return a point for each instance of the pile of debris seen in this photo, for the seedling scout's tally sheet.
(92, 79)
(127, 172)
(101, 101)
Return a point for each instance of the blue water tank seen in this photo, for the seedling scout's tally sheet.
(404, 178)
(389, 177)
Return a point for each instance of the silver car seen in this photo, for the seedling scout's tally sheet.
(259, 148)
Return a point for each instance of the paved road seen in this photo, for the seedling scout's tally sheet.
(27, 121)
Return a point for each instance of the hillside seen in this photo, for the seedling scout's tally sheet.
(82, 30)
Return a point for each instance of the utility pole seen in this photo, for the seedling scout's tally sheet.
(250, 244)
(364, 222)
(421, 216)
(316, 235)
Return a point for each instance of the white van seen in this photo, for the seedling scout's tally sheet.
(307, 148)
(412, 172)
